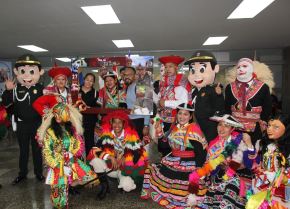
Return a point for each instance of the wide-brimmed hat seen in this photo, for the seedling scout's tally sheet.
(56, 71)
(227, 119)
(185, 106)
(171, 59)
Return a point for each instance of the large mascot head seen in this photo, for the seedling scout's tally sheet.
(202, 68)
(28, 70)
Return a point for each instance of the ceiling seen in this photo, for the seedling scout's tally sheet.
(153, 25)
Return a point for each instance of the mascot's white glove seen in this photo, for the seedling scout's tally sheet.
(126, 183)
(67, 170)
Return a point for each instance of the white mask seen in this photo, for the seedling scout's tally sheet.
(245, 70)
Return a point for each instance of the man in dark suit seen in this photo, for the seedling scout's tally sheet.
(21, 96)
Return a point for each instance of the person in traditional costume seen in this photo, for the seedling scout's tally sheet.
(55, 92)
(60, 136)
(207, 97)
(248, 98)
(28, 71)
(272, 174)
(119, 153)
(111, 95)
(228, 167)
(167, 183)
(173, 91)
(60, 76)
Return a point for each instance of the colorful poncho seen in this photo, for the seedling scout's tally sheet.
(134, 153)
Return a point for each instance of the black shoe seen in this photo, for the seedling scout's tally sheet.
(104, 184)
(18, 179)
(40, 178)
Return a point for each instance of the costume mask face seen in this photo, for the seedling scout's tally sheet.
(28, 75)
(202, 74)
(61, 113)
(275, 129)
(245, 70)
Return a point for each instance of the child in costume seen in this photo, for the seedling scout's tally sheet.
(120, 152)
(167, 183)
(272, 177)
(207, 98)
(228, 165)
(60, 136)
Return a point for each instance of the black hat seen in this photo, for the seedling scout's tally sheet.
(27, 59)
(201, 56)
(110, 74)
(185, 106)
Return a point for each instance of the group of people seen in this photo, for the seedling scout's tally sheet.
(220, 149)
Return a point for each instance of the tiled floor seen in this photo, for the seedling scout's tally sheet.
(32, 194)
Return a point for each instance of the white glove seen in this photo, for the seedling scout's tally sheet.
(67, 170)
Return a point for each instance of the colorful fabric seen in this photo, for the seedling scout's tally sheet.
(247, 118)
(167, 85)
(167, 183)
(111, 99)
(56, 156)
(129, 146)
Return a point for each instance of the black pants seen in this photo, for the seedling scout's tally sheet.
(138, 124)
(26, 132)
(89, 134)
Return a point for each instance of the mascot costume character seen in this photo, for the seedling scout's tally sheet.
(21, 96)
(207, 98)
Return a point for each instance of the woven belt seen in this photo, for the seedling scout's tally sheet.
(184, 154)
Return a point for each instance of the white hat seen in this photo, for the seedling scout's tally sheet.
(227, 119)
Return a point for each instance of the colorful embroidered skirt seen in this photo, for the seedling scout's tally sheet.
(166, 186)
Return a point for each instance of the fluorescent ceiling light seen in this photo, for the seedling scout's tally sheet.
(215, 40)
(95, 71)
(103, 14)
(249, 8)
(32, 48)
(64, 59)
(133, 55)
(126, 43)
